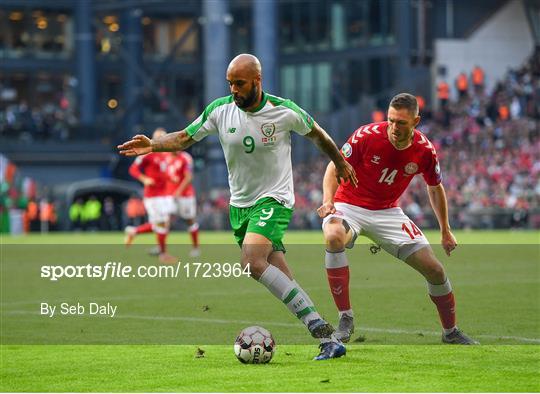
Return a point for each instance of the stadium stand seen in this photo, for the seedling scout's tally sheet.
(487, 137)
(490, 164)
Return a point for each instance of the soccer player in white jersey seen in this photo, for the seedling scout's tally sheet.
(254, 129)
(386, 157)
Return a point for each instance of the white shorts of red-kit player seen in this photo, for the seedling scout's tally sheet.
(389, 228)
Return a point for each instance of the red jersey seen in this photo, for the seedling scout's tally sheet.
(152, 165)
(180, 165)
(383, 171)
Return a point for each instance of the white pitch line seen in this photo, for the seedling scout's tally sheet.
(226, 321)
(117, 298)
(420, 286)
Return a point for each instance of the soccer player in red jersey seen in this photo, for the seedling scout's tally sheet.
(180, 188)
(386, 156)
(151, 171)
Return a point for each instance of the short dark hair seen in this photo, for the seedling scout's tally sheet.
(405, 101)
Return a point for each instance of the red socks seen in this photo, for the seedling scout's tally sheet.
(162, 237)
(194, 232)
(337, 271)
(144, 228)
(443, 298)
(446, 307)
(338, 279)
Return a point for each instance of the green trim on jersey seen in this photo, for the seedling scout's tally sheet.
(276, 100)
(288, 103)
(264, 99)
(194, 127)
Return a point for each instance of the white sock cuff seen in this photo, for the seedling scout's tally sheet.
(347, 312)
(440, 290)
(448, 330)
(276, 281)
(335, 260)
(193, 227)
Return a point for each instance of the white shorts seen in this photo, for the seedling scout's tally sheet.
(185, 207)
(389, 228)
(158, 208)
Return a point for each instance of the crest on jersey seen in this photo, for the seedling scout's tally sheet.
(268, 129)
(411, 168)
(346, 150)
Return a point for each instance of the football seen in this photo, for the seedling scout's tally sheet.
(254, 345)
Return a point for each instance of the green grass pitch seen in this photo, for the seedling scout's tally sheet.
(150, 345)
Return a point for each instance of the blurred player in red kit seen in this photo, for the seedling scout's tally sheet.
(386, 156)
(182, 192)
(151, 171)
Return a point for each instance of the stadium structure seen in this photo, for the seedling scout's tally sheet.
(78, 77)
(88, 304)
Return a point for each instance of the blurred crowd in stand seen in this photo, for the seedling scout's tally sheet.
(22, 209)
(489, 149)
(25, 206)
(48, 121)
(488, 144)
(213, 209)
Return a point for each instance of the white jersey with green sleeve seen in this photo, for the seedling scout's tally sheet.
(257, 146)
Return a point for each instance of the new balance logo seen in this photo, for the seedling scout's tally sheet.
(261, 224)
(232, 130)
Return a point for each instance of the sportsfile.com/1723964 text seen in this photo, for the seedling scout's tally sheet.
(118, 270)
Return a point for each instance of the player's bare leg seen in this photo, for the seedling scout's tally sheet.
(155, 251)
(425, 262)
(131, 231)
(337, 234)
(440, 292)
(129, 235)
(256, 251)
(277, 259)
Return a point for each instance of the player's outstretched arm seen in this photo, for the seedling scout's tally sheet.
(138, 145)
(179, 140)
(330, 186)
(437, 198)
(343, 170)
(141, 144)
